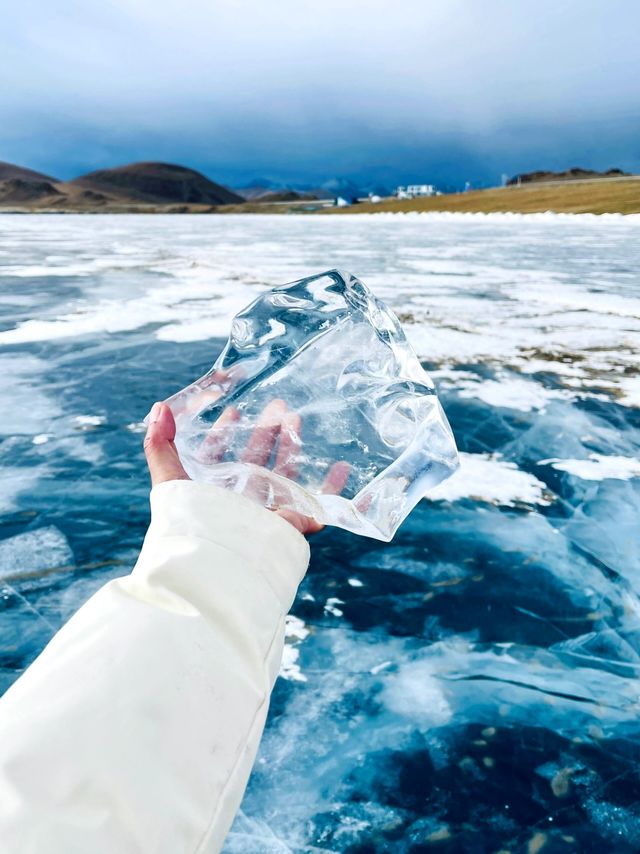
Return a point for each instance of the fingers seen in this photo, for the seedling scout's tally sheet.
(334, 483)
(336, 478)
(290, 444)
(304, 524)
(264, 437)
(275, 426)
(197, 397)
(160, 451)
(219, 436)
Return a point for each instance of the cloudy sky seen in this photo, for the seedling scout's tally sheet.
(305, 90)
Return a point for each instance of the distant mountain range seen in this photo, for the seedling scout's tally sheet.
(132, 187)
(262, 188)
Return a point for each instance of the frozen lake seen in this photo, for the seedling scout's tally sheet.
(472, 686)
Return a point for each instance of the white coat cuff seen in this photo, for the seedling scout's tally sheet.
(257, 536)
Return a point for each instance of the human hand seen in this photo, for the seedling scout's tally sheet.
(276, 425)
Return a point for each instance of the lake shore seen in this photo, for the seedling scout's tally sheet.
(597, 196)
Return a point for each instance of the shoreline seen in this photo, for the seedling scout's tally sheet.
(598, 196)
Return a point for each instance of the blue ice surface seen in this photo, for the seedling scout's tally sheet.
(471, 687)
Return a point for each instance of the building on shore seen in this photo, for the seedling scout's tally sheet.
(411, 191)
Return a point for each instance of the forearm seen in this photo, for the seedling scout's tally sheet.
(137, 727)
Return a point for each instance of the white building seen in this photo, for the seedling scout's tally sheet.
(413, 190)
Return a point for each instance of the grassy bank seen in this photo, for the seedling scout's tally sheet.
(619, 195)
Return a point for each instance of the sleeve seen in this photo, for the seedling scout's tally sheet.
(136, 728)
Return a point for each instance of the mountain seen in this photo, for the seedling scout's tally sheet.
(11, 172)
(574, 174)
(284, 195)
(150, 187)
(21, 191)
(266, 190)
(349, 189)
(258, 187)
(339, 187)
(156, 183)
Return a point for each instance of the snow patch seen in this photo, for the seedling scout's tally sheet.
(295, 631)
(487, 477)
(598, 467)
(330, 607)
(511, 393)
(86, 422)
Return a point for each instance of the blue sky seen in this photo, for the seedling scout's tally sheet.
(305, 90)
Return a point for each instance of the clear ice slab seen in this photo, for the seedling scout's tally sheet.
(319, 405)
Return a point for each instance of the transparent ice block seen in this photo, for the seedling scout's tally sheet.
(317, 391)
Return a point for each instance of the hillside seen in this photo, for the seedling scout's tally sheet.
(157, 183)
(135, 188)
(613, 195)
(21, 191)
(574, 174)
(11, 172)
(283, 196)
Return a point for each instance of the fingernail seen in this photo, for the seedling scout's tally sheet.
(154, 415)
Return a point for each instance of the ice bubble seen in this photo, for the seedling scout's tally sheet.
(318, 404)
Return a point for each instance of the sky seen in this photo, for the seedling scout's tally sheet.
(301, 91)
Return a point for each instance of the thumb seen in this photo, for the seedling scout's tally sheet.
(160, 451)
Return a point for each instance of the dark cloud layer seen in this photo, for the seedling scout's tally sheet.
(445, 90)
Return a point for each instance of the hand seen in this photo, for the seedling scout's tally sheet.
(275, 424)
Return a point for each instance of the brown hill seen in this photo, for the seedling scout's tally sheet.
(20, 191)
(574, 174)
(283, 196)
(156, 183)
(10, 172)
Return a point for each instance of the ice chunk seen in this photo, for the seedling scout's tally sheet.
(317, 392)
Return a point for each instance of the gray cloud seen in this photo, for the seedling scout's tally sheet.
(458, 88)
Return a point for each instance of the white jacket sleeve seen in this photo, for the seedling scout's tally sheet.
(136, 729)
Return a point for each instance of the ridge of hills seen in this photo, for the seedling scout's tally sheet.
(145, 186)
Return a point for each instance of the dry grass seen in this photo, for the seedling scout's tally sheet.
(618, 195)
